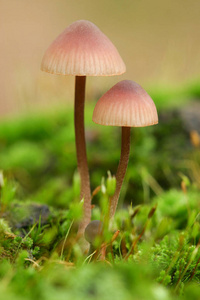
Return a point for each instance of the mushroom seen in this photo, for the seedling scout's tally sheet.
(82, 50)
(127, 105)
(92, 232)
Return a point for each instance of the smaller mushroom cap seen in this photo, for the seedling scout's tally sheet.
(93, 230)
(83, 50)
(125, 104)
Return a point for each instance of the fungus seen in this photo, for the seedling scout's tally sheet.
(92, 231)
(127, 105)
(82, 50)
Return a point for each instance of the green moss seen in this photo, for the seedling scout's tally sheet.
(154, 255)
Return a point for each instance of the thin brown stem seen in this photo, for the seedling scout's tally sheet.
(121, 171)
(81, 151)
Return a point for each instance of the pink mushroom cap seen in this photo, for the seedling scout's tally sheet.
(125, 104)
(82, 50)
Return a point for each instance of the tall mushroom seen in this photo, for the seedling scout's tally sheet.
(127, 105)
(82, 50)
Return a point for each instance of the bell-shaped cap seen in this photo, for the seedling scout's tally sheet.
(125, 104)
(83, 50)
(93, 230)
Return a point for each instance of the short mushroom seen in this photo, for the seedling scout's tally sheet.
(92, 231)
(82, 50)
(127, 105)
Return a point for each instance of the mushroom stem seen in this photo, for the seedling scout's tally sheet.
(81, 151)
(121, 170)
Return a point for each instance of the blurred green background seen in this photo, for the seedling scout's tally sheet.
(158, 40)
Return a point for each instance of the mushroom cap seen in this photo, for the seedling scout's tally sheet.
(93, 230)
(82, 50)
(125, 104)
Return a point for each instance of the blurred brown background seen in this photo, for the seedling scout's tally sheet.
(158, 40)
